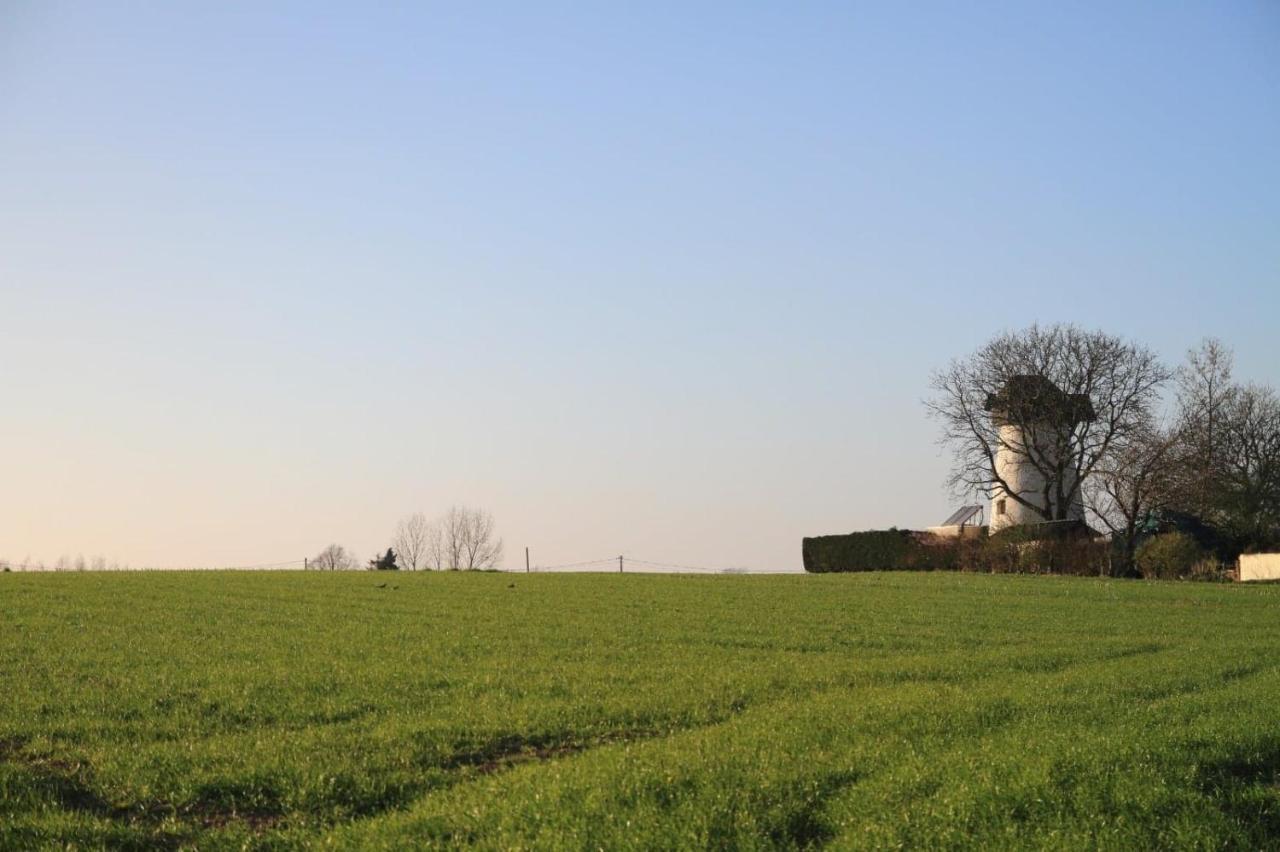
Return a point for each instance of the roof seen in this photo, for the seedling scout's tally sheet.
(961, 516)
(1032, 397)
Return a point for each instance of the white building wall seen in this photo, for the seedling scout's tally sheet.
(1025, 480)
(1259, 566)
(956, 531)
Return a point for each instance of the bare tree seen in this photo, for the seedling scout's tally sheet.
(1078, 393)
(1131, 483)
(1205, 393)
(436, 554)
(1228, 454)
(412, 541)
(452, 534)
(1250, 475)
(335, 558)
(467, 541)
(481, 547)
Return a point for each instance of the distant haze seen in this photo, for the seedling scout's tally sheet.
(662, 281)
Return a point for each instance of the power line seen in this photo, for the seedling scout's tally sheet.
(611, 564)
(265, 565)
(674, 565)
(606, 560)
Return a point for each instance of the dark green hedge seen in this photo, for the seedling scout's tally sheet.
(1050, 531)
(1039, 549)
(875, 550)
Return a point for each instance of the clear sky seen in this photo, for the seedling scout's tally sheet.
(663, 279)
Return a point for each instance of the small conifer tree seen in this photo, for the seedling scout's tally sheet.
(385, 562)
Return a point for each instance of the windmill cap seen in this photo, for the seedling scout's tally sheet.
(1032, 397)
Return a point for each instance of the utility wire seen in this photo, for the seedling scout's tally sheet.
(610, 559)
(695, 568)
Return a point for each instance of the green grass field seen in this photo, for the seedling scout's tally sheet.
(224, 710)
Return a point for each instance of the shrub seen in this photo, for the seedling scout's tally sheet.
(1169, 556)
(1212, 539)
(999, 555)
(1051, 548)
(1209, 570)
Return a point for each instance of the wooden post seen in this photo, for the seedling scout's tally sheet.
(526, 560)
(619, 564)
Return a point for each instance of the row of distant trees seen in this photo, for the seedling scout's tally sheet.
(64, 563)
(462, 539)
(1206, 457)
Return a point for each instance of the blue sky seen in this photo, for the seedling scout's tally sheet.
(657, 280)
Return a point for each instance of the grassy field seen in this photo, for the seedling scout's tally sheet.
(225, 710)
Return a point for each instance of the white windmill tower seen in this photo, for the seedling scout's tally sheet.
(1033, 417)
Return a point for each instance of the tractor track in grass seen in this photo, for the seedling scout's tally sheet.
(171, 825)
(511, 751)
(168, 826)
